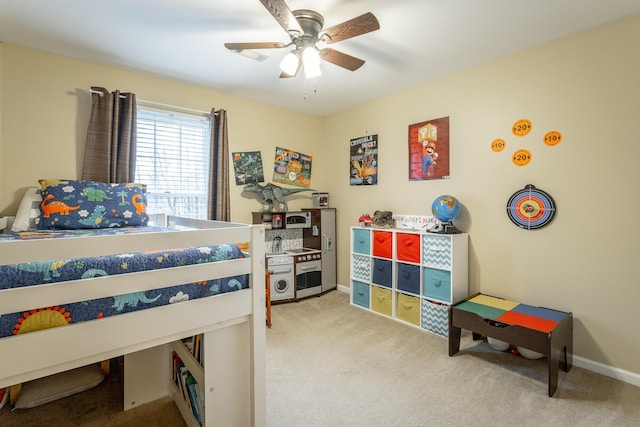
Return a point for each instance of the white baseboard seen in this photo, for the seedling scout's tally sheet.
(599, 368)
(608, 371)
(345, 289)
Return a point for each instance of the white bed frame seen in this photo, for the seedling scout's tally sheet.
(233, 324)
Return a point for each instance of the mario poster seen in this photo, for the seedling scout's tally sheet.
(429, 150)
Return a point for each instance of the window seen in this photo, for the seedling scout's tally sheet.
(173, 161)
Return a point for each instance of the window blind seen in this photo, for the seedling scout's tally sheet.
(172, 159)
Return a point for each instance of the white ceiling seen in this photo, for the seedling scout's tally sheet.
(182, 40)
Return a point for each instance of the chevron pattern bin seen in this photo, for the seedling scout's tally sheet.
(435, 317)
(361, 267)
(437, 251)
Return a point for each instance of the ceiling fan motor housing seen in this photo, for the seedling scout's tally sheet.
(311, 23)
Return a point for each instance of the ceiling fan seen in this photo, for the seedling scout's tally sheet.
(305, 29)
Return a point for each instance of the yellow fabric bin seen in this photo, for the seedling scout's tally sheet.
(408, 309)
(381, 300)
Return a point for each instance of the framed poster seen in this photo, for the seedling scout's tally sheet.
(291, 167)
(247, 167)
(363, 160)
(429, 150)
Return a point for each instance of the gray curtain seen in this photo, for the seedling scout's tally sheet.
(110, 151)
(219, 197)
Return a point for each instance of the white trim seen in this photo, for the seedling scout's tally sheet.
(608, 371)
(345, 289)
(159, 106)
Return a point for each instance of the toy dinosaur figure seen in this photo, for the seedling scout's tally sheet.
(271, 193)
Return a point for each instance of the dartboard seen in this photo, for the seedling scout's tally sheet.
(531, 208)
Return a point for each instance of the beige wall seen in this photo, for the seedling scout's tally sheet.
(585, 86)
(586, 261)
(46, 106)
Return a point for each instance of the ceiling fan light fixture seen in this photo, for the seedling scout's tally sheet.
(312, 70)
(290, 63)
(310, 56)
(311, 61)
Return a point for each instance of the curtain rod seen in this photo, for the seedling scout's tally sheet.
(161, 105)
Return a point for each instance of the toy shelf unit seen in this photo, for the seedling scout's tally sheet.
(410, 276)
(200, 371)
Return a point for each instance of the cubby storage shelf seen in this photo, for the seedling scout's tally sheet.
(409, 276)
(196, 369)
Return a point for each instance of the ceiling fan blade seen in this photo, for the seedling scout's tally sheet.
(354, 27)
(341, 59)
(281, 12)
(254, 45)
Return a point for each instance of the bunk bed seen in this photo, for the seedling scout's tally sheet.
(232, 319)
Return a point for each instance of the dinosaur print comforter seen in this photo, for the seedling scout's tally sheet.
(35, 273)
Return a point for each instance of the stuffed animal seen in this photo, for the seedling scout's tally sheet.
(383, 219)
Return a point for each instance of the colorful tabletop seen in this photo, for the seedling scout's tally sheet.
(513, 313)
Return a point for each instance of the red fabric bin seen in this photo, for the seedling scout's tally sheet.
(383, 244)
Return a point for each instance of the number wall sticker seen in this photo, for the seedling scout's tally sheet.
(522, 127)
(498, 145)
(521, 157)
(553, 138)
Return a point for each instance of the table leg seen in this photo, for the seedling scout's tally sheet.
(554, 363)
(454, 339)
(561, 351)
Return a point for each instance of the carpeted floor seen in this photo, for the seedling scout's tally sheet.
(331, 364)
(100, 406)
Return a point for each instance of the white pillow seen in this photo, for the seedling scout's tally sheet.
(28, 211)
(44, 390)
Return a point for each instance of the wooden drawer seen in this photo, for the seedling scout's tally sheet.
(383, 244)
(408, 247)
(435, 317)
(362, 241)
(382, 272)
(381, 300)
(408, 309)
(408, 278)
(437, 284)
(360, 293)
(361, 267)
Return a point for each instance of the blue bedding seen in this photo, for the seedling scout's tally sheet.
(60, 270)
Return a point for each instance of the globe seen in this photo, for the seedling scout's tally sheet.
(446, 208)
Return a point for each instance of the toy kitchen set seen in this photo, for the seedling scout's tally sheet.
(300, 252)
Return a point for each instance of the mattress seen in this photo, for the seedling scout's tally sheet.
(61, 270)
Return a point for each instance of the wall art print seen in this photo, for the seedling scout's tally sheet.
(247, 167)
(363, 160)
(429, 150)
(291, 167)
